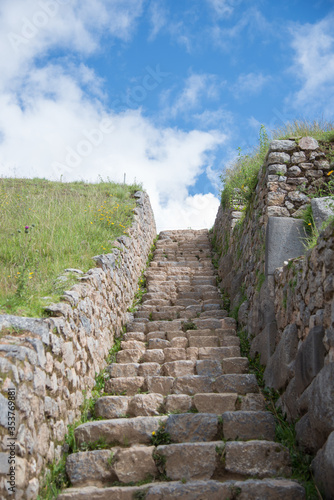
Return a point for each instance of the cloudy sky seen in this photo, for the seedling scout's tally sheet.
(163, 91)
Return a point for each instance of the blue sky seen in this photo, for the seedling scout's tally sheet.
(164, 91)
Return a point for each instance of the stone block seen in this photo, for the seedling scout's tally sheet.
(322, 209)
(235, 365)
(192, 384)
(90, 468)
(308, 143)
(323, 467)
(123, 370)
(129, 356)
(257, 458)
(282, 145)
(189, 460)
(134, 464)
(215, 403)
(112, 406)
(160, 385)
(246, 425)
(321, 402)
(174, 354)
(145, 405)
(179, 342)
(149, 369)
(204, 342)
(252, 402)
(218, 353)
(310, 358)
(239, 383)
(124, 431)
(280, 367)
(284, 240)
(209, 368)
(192, 427)
(178, 403)
(127, 385)
(154, 356)
(178, 368)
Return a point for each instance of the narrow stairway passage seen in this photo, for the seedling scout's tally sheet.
(184, 418)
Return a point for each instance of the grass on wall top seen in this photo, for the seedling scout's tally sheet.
(242, 173)
(47, 227)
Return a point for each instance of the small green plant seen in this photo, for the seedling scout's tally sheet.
(140, 495)
(160, 436)
(261, 280)
(188, 325)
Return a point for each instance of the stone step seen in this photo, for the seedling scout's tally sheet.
(251, 489)
(185, 460)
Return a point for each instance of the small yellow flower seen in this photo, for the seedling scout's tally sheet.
(91, 223)
(310, 224)
(330, 172)
(153, 433)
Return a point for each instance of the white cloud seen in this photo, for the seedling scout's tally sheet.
(222, 8)
(314, 65)
(54, 123)
(158, 17)
(196, 88)
(250, 83)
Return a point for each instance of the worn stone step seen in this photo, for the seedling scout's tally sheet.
(219, 353)
(157, 343)
(127, 386)
(178, 368)
(215, 403)
(257, 458)
(129, 356)
(235, 365)
(122, 431)
(240, 383)
(133, 344)
(139, 336)
(246, 425)
(216, 313)
(205, 341)
(251, 489)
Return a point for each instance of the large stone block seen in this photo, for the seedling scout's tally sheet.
(284, 240)
(247, 425)
(321, 402)
(310, 358)
(323, 467)
(134, 464)
(280, 367)
(90, 468)
(322, 209)
(192, 427)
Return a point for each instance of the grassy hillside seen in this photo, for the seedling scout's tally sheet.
(47, 227)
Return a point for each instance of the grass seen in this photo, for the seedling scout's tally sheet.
(50, 226)
(240, 178)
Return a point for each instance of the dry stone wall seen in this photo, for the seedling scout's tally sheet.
(289, 316)
(46, 364)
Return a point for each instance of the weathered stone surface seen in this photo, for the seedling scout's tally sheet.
(240, 383)
(160, 385)
(308, 438)
(174, 354)
(321, 402)
(180, 342)
(270, 489)
(134, 464)
(282, 145)
(154, 356)
(310, 358)
(323, 466)
(178, 368)
(215, 403)
(253, 402)
(235, 365)
(203, 342)
(127, 385)
(280, 367)
(322, 209)
(190, 460)
(89, 468)
(121, 430)
(194, 490)
(112, 406)
(284, 240)
(192, 384)
(145, 404)
(308, 143)
(257, 458)
(123, 370)
(218, 353)
(209, 368)
(278, 157)
(192, 427)
(178, 402)
(129, 356)
(149, 369)
(247, 425)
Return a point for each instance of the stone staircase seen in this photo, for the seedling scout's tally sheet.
(180, 384)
